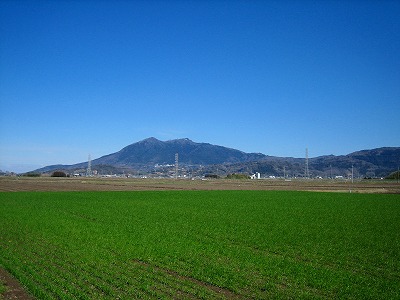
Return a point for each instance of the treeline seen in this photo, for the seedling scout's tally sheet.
(394, 175)
(229, 176)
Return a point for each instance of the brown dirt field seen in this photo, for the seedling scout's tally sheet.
(129, 184)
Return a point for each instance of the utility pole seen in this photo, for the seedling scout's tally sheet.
(352, 173)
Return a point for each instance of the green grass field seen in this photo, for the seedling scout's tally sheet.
(202, 244)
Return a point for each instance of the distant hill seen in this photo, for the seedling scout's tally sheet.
(149, 155)
(378, 162)
(367, 163)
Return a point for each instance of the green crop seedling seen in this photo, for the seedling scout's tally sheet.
(202, 244)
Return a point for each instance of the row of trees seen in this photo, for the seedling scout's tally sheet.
(58, 174)
(394, 175)
(54, 174)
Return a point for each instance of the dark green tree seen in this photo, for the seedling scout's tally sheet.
(58, 174)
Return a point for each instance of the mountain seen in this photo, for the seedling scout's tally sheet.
(145, 154)
(152, 156)
(378, 162)
(153, 151)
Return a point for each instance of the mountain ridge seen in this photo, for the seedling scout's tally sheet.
(143, 156)
(154, 151)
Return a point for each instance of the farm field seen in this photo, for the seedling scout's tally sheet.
(131, 184)
(202, 244)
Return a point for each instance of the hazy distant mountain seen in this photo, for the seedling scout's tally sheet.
(366, 163)
(144, 155)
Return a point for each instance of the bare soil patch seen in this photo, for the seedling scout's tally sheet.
(14, 290)
(130, 184)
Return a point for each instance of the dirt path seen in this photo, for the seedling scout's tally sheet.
(14, 290)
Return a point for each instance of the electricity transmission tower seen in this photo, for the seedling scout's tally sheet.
(176, 165)
(306, 172)
(89, 167)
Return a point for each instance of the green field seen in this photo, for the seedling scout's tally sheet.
(202, 244)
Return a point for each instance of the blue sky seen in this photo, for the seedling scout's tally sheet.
(80, 77)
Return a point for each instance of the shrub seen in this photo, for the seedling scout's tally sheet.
(32, 174)
(214, 176)
(58, 174)
(237, 176)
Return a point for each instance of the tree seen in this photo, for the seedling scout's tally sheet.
(58, 174)
(237, 176)
(213, 176)
(32, 174)
(394, 175)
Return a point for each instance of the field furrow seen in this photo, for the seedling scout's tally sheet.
(202, 244)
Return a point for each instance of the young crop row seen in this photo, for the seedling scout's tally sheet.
(202, 244)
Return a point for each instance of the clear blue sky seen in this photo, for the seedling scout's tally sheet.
(80, 77)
